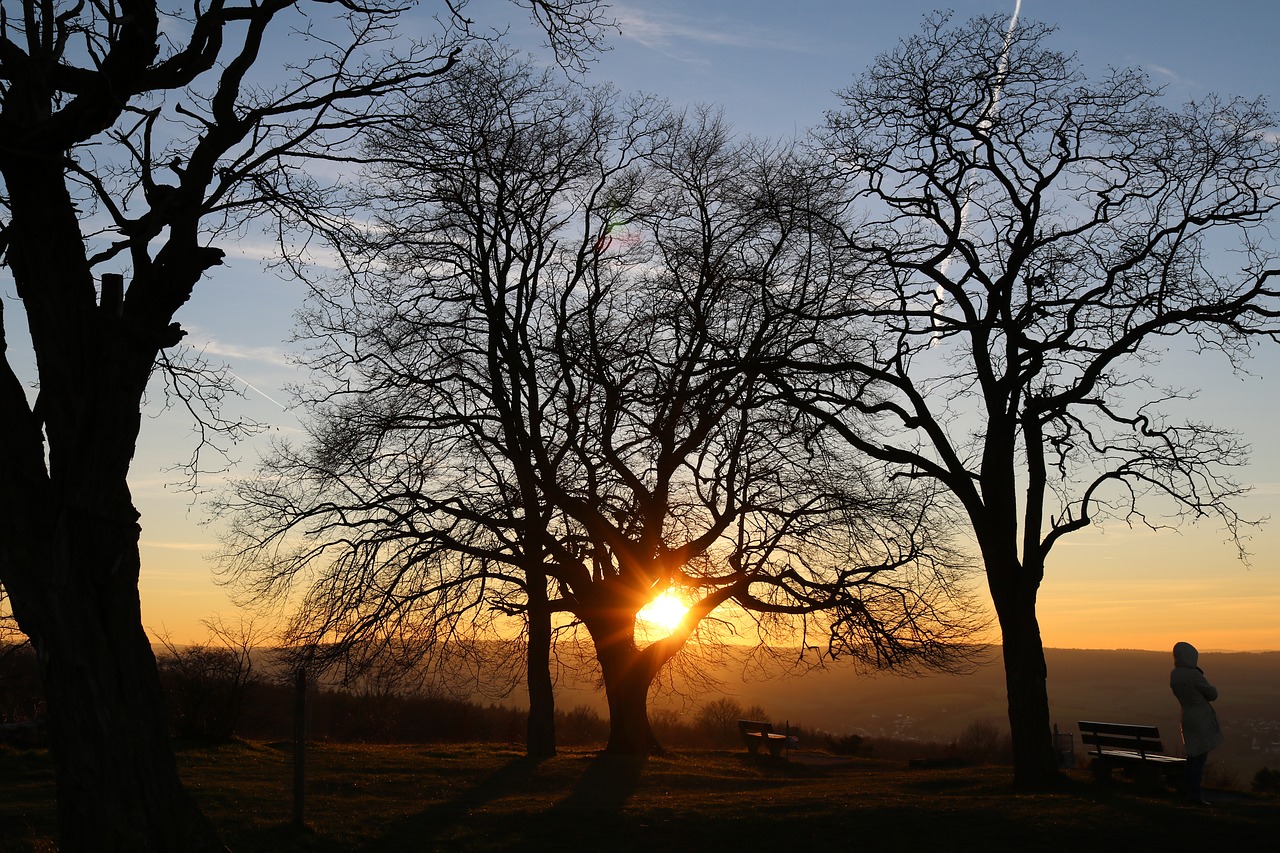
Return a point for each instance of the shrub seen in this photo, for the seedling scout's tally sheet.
(983, 741)
(205, 689)
(671, 730)
(1266, 781)
(718, 721)
(581, 727)
(847, 745)
(21, 696)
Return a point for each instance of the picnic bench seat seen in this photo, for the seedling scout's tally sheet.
(755, 733)
(1136, 749)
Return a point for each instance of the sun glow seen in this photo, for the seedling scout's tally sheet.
(664, 612)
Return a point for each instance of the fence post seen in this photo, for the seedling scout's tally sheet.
(299, 746)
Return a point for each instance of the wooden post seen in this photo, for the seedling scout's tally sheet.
(112, 300)
(299, 746)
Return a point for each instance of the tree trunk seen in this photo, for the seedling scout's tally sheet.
(1026, 675)
(626, 687)
(69, 531)
(69, 560)
(70, 563)
(540, 735)
(117, 782)
(627, 673)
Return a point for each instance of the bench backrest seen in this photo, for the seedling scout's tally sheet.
(745, 726)
(1141, 739)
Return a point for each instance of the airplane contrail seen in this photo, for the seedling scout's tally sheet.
(255, 388)
(988, 116)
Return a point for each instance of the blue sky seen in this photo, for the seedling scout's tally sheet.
(775, 67)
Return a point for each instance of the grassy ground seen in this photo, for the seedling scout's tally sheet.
(488, 798)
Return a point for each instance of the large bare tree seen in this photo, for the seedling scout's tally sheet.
(542, 394)
(1022, 242)
(439, 313)
(134, 137)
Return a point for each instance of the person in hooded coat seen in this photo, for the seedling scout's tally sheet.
(1200, 729)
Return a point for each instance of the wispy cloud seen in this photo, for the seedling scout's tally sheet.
(1167, 73)
(254, 250)
(268, 253)
(1267, 487)
(677, 36)
(238, 353)
(1171, 78)
(235, 354)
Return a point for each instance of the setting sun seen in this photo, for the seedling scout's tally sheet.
(663, 612)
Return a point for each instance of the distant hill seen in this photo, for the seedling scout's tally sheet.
(1119, 686)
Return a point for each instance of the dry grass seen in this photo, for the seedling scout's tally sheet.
(489, 798)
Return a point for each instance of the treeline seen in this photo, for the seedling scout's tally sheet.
(214, 694)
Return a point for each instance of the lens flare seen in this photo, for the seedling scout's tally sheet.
(664, 612)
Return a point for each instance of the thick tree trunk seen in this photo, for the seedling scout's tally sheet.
(117, 782)
(628, 673)
(626, 687)
(69, 560)
(118, 787)
(540, 735)
(1026, 680)
(69, 531)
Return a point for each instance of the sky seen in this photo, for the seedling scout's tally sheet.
(775, 68)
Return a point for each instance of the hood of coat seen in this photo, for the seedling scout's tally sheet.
(1185, 654)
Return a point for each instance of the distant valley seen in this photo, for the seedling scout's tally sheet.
(1119, 686)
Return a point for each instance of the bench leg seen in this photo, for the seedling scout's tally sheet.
(1101, 770)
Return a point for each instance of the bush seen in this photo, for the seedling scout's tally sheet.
(205, 689)
(671, 730)
(21, 696)
(1266, 781)
(581, 727)
(847, 745)
(718, 721)
(983, 742)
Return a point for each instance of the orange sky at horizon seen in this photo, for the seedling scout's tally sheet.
(1111, 589)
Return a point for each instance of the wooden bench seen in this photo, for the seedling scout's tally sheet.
(755, 733)
(1135, 749)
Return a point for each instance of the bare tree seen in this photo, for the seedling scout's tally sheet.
(206, 684)
(135, 137)
(437, 316)
(1021, 241)
(687, 473)
(543, 394)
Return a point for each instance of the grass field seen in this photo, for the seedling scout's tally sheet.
(489, 798)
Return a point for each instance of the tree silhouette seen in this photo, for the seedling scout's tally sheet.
(438, 314)
(541, 389)
(135, 138)
(1020, 242)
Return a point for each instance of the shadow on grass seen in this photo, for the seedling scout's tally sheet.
(605, 786)
(431, 828)
(591, 809)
